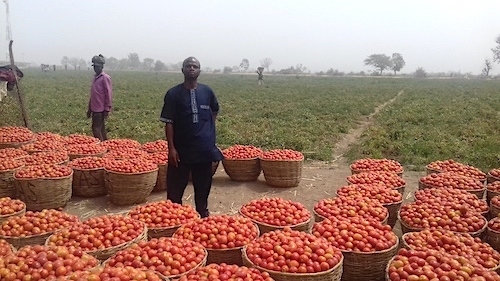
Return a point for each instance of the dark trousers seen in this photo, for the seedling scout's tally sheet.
(177, 180)
(98, 127)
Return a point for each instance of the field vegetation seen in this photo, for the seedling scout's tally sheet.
(431, 120)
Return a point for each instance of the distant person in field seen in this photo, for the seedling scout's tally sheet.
(260, 79)
(189, 112)
(101, 98)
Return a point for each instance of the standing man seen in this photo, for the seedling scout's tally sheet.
(189, 112)
(101, 97)
(260, 72)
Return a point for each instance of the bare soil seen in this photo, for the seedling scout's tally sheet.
(319, 180)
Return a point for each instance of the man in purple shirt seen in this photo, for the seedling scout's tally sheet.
(101, 96)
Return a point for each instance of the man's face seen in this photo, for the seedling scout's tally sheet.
(98, 68)
(191, 69)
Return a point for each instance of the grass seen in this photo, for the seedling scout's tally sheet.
(431, 120)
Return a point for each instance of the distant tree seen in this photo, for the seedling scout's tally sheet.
(379, 61)
(496, 50)
(65, 62)
(134, 61)
(420, 73)
(74, 62)
(266, 63)
(244, 64)
(148, 63)
(397, 62)
(227, 69)
(82, 64)
(159, 65)
(123, 64)
(112, 63)
(487, 67)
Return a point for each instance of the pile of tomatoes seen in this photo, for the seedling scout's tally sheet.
(128, 166)
(447, 196)
(282, 155)
(116, 144)
(11, 152)
(8, 164)
(155, 146)
(389, 179)
(126, 153)
(85, 149)
(377, 165)
(46, 157)
(12, 134)
(452, 180)
(378, 192)
(276, 211)
(226, 272)
(79, 139)
(43, 171)
(163, 214)
(88, 163)
(241, 152)
(9, 206)
(451, 165)
(43, 145)
(127, 273)
(348, 207)
(36, 223)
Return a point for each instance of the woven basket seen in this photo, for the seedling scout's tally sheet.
(89, 183)
(431, 171)
(228, 256)
(393, 210)
(161, 181)
(7, 184)
(490, 178)
(104, 254)
(14, 144)
(367, 266)
(128, 189)
(281, 173)
(19, 242)
(333, 274)
(353, 171)
(162, 232)
(493, 238)
(264, 227)
(320, 218)
(74, 156)
(490, 194)
(494, 210)
(16, 214)
(478, 192)
(242, 170)
(44, 193)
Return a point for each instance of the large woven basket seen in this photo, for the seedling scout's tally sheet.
(44, 193)
(494, 210)
(393, 210)
(161, 181)
(333, 274)
(264, 227)
(493, 238)
(490, 194)
(16, 214)
(104, 254)
(282, 173)
(320, 218)
(242, 169)
(367, 266)
(89, 183)
(128, 189)
(7, 184)
(478, 192)
(490, 178)
(19, 242)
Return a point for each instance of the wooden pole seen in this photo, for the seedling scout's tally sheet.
(19, 94)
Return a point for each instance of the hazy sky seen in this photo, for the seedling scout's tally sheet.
(438, 35)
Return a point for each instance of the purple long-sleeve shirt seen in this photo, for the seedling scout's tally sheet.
(101, 93)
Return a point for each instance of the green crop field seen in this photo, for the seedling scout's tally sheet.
(431, 119)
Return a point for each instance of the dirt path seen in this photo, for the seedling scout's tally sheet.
(319, 180)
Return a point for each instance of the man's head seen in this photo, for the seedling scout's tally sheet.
(191, 68)
(98, 63)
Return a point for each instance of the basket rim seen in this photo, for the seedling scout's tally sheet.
(240, 159)
(321, 273)
(277, 226)
(492, 230)
(15, 213)
(87, 170)
(12, 170)
(280, 160)
(396, 245)
(48, 233)
(493, 191)
(356, 170)
(49, 178)
(139, 173)
(490, 175)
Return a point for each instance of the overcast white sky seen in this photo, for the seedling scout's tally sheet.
(438, 35)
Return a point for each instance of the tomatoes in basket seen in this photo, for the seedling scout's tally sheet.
(164, 214)
(12, 134)
(276, 211)
(36, 223)
(137, 165)
(389, 179)
(452, 180)
(88, 163)
(240, 152)
(43, 171)
(369, 209)
(7, 164)
(9, 206)
(282, 154)
(155, 146)
(370, 164)
(451, 165)
(226, 272)
(11, 152)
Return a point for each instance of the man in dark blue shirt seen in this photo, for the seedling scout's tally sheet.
(189, 112)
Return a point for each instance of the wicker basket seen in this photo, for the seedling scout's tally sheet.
(161, 181)
(74, 156)
(104, 254)
(333, 274)
(494, 210)
(490, 178)
(128, 189)
(162, 232)
(242, 169)
(493, 238)
(367, 266)
(490, 194)
(264, 227)
(431, 171)
(16, 214)
(44, 193)
(228, 256)
(18, 242)
(393, 210)
(281, 173)
(7, 184)
(320, 218)
(478, 192)
(89, 183)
